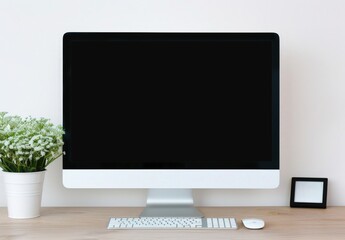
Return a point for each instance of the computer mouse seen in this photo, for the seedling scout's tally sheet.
(253, 223)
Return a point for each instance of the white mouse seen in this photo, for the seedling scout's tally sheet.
(253, 223)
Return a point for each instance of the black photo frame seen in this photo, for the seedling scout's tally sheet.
(308, 192)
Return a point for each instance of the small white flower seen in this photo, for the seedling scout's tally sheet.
(7, 128)
(38, 148)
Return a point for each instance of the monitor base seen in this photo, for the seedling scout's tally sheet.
(170, 203)
(171, 211)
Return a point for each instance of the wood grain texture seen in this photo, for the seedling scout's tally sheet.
(90, 223)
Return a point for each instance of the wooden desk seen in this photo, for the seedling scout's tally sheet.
(90, 224)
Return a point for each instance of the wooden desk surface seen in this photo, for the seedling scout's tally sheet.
(90, 223)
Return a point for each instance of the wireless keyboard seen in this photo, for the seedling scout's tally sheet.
(172, 223)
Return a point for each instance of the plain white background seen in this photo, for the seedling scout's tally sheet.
(308, 192)
(312, 79)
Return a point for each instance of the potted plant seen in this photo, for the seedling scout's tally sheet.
(27, 146)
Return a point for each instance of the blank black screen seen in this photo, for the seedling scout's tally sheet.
(170, 101)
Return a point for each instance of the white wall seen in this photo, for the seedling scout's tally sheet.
(312, 79)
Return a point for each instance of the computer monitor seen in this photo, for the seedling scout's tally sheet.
(171, 112)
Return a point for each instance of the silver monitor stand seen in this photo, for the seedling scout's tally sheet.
(170, 203)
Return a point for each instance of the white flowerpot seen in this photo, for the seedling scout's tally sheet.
(24, 193)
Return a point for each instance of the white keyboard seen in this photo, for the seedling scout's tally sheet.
(172, 223)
